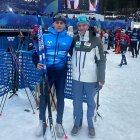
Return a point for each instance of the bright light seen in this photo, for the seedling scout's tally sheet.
(137, 25)
(10, 9)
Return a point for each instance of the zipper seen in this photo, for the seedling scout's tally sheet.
(84, 59)
(58, 48)
(79, 65)
(76, 58)
(55, 48)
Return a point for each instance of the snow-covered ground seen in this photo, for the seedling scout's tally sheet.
(119, 107)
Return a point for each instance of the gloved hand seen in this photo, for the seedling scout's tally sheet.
(99, 86)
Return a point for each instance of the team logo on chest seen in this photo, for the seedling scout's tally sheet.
(78, 44)
(49, 43)
(63, 43)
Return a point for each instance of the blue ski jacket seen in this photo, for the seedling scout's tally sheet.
(57, 46)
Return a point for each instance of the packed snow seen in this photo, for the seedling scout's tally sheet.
(119, 108)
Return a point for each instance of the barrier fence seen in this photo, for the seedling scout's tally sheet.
(24, 74)
(6, 72)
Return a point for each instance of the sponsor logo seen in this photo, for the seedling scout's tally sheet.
(87, 44)
(78, 43)
(63, 43)
(49, 43)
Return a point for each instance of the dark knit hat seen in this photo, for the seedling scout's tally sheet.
(59, 17)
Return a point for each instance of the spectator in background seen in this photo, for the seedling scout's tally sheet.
(70, 31)
(72, 4)
(124, 43)
(129, 32)
(97, 31)
(134, 42)
(111, 40)
(34, 35)
(101, 33)
(105, 41)
(86, 5)
(139, 40)
(21, 41)
(117, 41)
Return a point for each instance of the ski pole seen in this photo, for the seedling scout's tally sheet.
(97, 107)
(50, 119)
(3, 104)
(29, 101)
(1, 101)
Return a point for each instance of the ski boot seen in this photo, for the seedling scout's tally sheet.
(120, 64)
(125, 63)
(59, 130)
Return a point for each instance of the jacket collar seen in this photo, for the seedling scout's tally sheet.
(53, 31)
(85, 37)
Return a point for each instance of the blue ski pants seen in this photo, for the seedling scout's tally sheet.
(78, 90)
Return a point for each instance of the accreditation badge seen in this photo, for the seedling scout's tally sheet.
(87, 44)
(78, 44)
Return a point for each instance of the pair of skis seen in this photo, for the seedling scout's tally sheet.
(42, 60)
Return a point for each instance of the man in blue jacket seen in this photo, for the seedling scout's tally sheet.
(57, 44)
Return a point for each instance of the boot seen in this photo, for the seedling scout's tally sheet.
(75, 130)
(120, 64)
(39, 130)
(59, 130)
(91, 132)
(125, 63)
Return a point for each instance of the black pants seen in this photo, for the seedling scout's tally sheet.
(109, 44)
(59, 83)
(138, 48)
(123, 60)
(134, 49)
(72, 4)
(83, 5)
(123, 51)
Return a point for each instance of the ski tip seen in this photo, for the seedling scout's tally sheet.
(33, 113)
(66, 137)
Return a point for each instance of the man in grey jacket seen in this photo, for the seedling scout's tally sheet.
(88, 73)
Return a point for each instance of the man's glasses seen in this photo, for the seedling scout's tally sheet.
(82, 19)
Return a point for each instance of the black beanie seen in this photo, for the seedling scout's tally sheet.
(59, 17)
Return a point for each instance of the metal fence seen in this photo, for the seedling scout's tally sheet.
(6, 72)
(26, 74)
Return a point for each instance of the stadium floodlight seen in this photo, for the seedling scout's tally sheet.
(10, 9)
